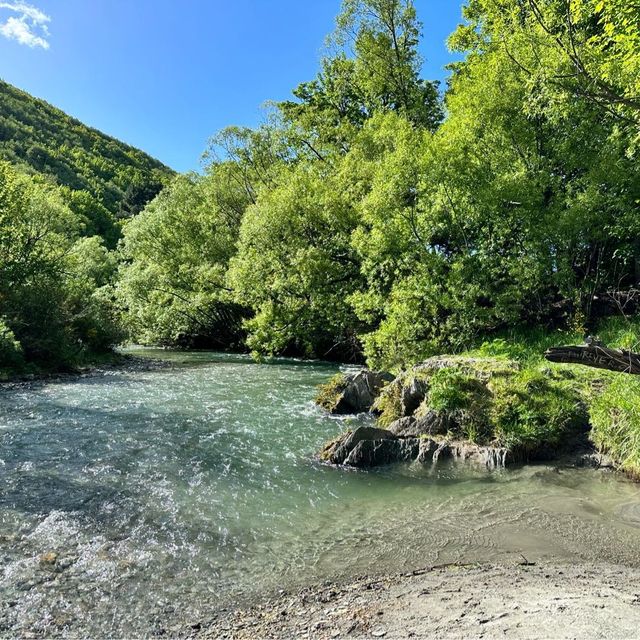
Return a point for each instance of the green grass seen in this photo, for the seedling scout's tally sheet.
(615, 420)
(497, 402)
(538, 407)
(463, 394)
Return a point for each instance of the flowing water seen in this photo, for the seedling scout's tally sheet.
(166, 495)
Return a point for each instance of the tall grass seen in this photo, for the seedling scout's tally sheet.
(615, 421)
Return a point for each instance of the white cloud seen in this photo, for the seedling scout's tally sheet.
(28, 27)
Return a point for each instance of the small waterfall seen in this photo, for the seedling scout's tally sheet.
(436, 454)
(495, 457)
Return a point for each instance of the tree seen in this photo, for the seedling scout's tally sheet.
(295, 267)
(384, 37)
(375, 66)
(175, 256)
(50, 308)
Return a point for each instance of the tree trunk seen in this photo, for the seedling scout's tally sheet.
(596, 355)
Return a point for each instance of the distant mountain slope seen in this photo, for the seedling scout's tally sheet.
(42, 139)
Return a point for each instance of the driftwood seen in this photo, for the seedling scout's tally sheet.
(595, 354)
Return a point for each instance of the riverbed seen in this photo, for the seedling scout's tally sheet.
(137, 503)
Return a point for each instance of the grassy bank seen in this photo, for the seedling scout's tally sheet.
(504, 393)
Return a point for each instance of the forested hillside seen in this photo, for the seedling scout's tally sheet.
(106, 178)
(65, 191)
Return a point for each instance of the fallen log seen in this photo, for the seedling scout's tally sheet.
(595, 354)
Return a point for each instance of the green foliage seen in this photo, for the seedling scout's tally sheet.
(384, 37)
(295, 267)
(173, 277)
(104, 177)
(11, 354)
(615, 419)
(374, 68)
(523, 202)
(54, 300)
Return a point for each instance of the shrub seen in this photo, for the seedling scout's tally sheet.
(11, 355)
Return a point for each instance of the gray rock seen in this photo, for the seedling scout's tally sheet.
(435, 423)
(372, 453)
(429, 449)
(361, 390)
(404, 427)
(413, 395)
(370, 447)
(339, 450)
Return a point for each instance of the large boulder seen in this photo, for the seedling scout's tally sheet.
(432, 423)
(352, 393)
(337, 451)
(368, 447)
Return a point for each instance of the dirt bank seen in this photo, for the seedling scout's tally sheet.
(480, 601)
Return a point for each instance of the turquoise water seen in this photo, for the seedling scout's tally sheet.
(168, 494)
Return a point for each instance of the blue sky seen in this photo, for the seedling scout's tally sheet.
(164, 75)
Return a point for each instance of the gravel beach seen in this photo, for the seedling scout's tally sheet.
(474, 601)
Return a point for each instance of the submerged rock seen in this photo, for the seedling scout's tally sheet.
(352, 393)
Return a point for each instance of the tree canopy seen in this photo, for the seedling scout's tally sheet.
(374, 216)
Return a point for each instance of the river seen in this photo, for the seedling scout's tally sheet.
(138, 503)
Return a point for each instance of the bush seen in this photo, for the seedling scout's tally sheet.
(11, 355)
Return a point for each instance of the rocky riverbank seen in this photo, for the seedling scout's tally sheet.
(122, 363)
(491, 411)
(480, 601)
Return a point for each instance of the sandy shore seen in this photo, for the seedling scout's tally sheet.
(480, 601)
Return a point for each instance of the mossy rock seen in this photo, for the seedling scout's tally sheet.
(329, 393)
(353, 393)
(487, 401)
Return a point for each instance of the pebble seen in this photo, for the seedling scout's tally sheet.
(49, 558)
